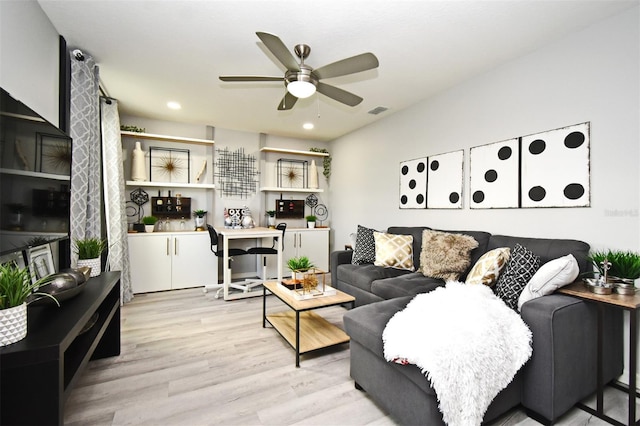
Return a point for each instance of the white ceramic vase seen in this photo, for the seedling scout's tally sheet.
(13, 324)
(311, 224)
(313, 175)
(149, 228)
(138, 165)
(94, 264)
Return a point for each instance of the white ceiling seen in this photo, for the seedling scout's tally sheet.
(151, 52)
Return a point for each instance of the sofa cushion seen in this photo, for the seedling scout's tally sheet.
(522, 265)
(551, 276)
(487, 269)
(445, 255)
(405, 285)
(394, 251)
(365, 248)
(361, 276)
(416, 233)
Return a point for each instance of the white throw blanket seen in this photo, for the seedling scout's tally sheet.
(466, 341)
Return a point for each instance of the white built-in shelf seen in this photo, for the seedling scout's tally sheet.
(165, 138)
(299, 190)
(170, 185)
(38, 175)
(294, 152)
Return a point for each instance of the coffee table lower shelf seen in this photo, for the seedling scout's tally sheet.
(315, 331)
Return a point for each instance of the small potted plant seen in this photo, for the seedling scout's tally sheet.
(271, 218)
(311, 221)
(299, 264)
(15, 289)
(89, 251)
(149, 223)
(199, 216)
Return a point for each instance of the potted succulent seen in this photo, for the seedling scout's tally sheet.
(89, 251)
(15, 288)
(299, 264)
(311, 221)
(149, 223)
(271, 218)
(199, 216)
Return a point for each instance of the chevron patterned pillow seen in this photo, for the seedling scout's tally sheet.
(394, 251)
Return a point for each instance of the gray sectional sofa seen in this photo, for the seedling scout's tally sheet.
(560, 372)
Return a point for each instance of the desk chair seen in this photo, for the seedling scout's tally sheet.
(264, 251)
(219, 252)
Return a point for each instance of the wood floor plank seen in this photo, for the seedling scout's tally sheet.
(190, 359)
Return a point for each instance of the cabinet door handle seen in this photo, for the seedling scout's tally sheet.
(300, 239)
(168, 247)
(175, 246)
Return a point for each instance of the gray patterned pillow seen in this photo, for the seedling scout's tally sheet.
(522, 265)
(365, 248)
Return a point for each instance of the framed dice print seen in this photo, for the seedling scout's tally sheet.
(555, 168)
(494, 175)
(445, 180)
(413, 184)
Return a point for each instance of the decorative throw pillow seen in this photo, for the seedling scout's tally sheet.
(445, 255)
(551, 276)
(522, 265)
(365, 249)
(394, 251)
(488, 267)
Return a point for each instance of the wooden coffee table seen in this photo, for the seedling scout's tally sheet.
(303, 329)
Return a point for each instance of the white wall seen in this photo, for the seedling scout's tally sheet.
(29, 66)
(592, 75)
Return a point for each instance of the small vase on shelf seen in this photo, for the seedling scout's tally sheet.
(138, 167)
(313, 175)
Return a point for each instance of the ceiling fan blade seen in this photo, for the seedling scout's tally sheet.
(287, 102)
(279, 50)
(339, 95)
(246, 78)
(352, 65)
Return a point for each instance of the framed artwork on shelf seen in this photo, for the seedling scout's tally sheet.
(170, 165)
(292, 173)
(40, 262)
(53, 154)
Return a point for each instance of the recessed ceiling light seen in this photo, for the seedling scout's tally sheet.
(174, 105)
(307, 126)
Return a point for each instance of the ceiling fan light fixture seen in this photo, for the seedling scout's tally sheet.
(301, 89)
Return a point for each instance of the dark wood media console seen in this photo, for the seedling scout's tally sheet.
(38, 372)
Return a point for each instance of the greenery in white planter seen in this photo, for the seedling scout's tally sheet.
(199, 213)
(149, 220)
(624, 264)
(89, 248)
(300, 264)
(16, 286)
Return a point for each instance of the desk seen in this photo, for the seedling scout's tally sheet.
(629, 303)
(250, 233)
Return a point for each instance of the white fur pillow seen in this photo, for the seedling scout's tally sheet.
(551, 276)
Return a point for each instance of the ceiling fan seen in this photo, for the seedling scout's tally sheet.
(301, 80)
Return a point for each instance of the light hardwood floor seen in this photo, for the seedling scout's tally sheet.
(190, 359)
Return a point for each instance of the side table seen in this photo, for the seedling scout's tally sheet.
(629, 303)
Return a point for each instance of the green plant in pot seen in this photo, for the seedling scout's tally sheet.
(89, 251)
(15, 289)
(271, 218)
(149, 223)
(624, 265)
(299, 264)
(311, 221)
(199, 216)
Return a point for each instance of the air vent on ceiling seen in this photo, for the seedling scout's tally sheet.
(378, 110)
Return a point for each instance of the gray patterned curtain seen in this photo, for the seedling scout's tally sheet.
(85, 168)
(114, 195)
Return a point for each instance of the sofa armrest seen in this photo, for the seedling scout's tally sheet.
(561, 370)
(338, 257)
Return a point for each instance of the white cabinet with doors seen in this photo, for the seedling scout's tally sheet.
(313, 243)
(171, 260)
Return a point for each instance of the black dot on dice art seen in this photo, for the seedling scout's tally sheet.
(573, 191)
(504, 153)
(405, 170)
(435, 165)
(491, 175)
(478, 197)
(420, 199)
(537, 147)
(412, 184)
(537, 193)
(574, 140)
(404, 199)
(454, 197)
(420, 167)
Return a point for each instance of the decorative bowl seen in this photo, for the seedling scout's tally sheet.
(62, 286)
(624, 288)
(597, 287)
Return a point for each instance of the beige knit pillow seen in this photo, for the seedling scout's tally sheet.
(394, 251)
(488, 267)
(445, 255)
